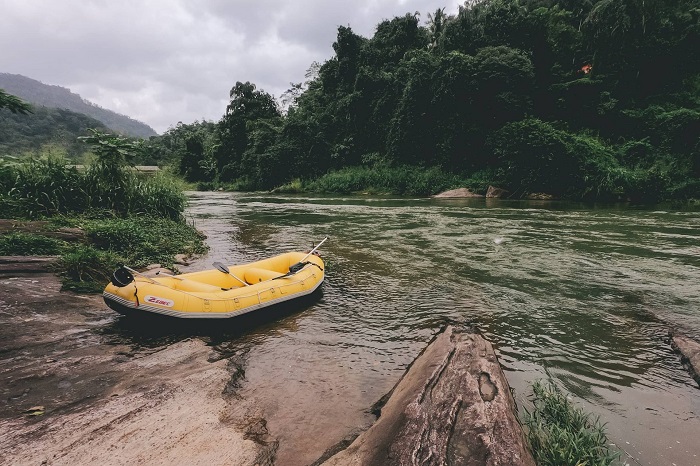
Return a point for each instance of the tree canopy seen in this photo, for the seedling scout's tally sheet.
(579, 98)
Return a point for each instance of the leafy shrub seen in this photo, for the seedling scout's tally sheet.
(537, 157)
(86, 269)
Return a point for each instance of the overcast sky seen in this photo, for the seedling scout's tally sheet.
(164, 61)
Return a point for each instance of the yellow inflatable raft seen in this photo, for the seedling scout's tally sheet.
(219, 293)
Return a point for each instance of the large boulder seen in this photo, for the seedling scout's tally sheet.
(453, 407)
(458, 193)
(497, 193)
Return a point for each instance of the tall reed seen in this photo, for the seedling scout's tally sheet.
(43, 188)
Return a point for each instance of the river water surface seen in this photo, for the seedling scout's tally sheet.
(580, 294)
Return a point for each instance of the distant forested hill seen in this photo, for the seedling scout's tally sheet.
(38, 93)
(46, 131)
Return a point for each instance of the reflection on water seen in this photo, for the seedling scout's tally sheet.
(578, 293)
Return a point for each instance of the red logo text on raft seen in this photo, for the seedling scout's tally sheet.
(159, 301)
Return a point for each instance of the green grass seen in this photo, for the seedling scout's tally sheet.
(44, 188)
(87, 270)
(29, 244)
(144, 240)
(562, 434)
(134, 241)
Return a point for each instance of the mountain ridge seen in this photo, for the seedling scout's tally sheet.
(53, 96)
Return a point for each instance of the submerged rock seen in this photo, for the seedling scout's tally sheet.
(689, 350)
(540, 196)
(452, 407)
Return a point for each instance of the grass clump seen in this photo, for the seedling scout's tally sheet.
(144, 240)
(28, 244)
(562, 434)
(134, 241)
(87, 270)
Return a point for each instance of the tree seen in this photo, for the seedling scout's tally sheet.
(393, 39)
(436, 26)
(14, 104)
(113, 152)
(247, 105)
(503, 80)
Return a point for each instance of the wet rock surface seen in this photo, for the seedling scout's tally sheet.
(27, 264)
(496, 193)
(452, 407)
(78, 386)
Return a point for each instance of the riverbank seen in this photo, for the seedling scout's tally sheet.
(91, 390)
(88, 248)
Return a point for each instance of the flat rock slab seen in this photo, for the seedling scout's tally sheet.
(76, 387)
(27, 264)
(453, 407)
(690, 353)
(41, 227)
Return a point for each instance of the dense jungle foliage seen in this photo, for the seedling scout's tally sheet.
(578, 99)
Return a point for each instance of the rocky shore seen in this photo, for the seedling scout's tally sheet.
(75, 390)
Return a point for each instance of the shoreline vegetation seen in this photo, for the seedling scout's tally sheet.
(121, 217)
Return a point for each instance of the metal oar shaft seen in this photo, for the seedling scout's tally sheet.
(222, 268)
(314, 249)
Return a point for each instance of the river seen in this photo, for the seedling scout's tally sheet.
(580, 294)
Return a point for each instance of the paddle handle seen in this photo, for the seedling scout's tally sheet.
(314, 249)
